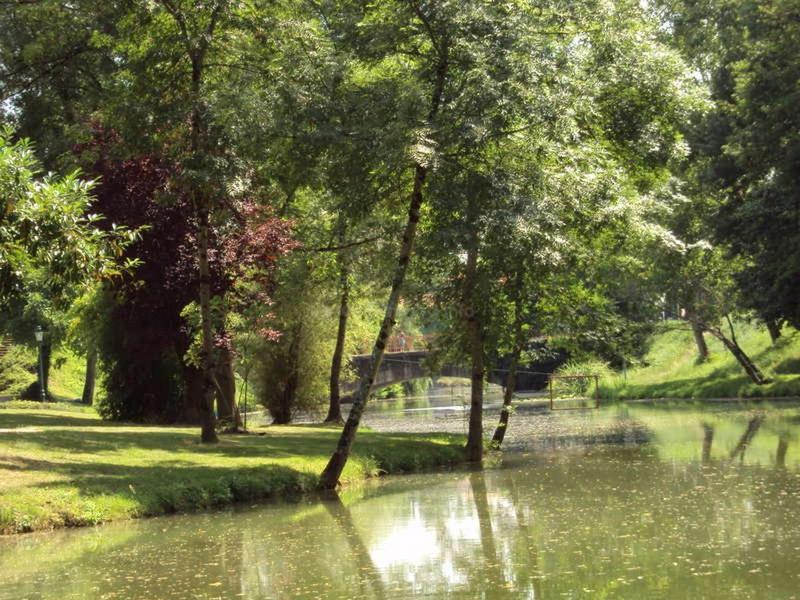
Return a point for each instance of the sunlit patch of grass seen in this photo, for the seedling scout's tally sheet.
(672, 369)
(67, 467)
(67, 373)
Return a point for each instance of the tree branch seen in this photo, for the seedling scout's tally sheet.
(343, 246)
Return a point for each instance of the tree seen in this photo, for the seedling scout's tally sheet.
(745, 150)
(51, 247)
(430, 36)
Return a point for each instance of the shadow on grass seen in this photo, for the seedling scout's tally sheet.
(66, 433)
(41, 418)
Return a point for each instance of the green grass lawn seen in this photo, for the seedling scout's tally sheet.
(672, 370)
(63, 466)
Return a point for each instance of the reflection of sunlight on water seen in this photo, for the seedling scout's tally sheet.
(409, 543)
(675, 516)
(463, 528)
(421, 553)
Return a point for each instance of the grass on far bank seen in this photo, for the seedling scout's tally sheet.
(63, 466)
(672, 370)
(67, 373)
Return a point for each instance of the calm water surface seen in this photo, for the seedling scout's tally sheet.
(637, 502)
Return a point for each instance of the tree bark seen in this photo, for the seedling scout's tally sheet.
(334, 405)
(733, 347)
(511, 377)
(330, 475)
(208, 421)
(747, 364)
(196, 48)
(700, 342)
(91, 375)
(475, 340)
(774, 328)
(227, 409)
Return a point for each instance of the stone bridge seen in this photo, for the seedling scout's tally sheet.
(405, 366)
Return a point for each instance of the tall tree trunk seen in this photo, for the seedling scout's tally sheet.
(774, 328)
(732, 345)
(91, 375)
(208, 421)
(334, 405)
(196, 46)
(511, 376)
(227, 409)
(475, 340)
(330, 475)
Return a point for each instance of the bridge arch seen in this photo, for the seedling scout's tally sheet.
(398, 367)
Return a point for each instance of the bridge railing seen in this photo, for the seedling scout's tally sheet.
(400, 342)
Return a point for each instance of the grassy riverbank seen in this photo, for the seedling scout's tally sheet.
(672, 370)
(62, 466)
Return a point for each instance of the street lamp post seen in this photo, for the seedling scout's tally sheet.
(39, 333)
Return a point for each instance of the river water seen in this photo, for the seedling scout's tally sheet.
(621, 502)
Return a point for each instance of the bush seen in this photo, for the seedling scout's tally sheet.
(17, 370)
(580, 387)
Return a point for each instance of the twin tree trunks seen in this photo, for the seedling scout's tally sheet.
(699, 327)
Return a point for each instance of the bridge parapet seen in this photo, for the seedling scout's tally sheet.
(397, 367)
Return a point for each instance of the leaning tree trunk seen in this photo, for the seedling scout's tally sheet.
(732, 345)
(226, 391)
(334, 406)
(91, 376)
(330, 475)
(511, 376)
(475, 340)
